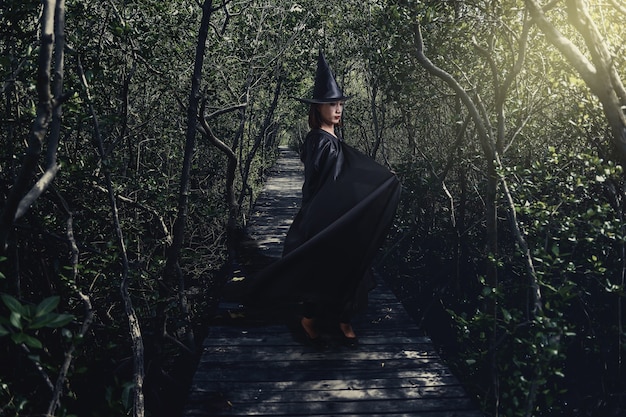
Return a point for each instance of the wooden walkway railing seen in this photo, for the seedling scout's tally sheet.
(265, 368)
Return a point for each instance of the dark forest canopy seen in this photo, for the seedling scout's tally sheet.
(135, 136)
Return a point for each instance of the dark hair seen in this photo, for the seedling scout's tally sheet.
(315, 119)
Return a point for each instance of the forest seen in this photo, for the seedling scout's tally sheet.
(136, 134)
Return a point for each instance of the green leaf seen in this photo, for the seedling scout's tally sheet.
(3, 331)
(29, 311)
(47, 305)
(60, 320)
(16, 320)
(28, 340)
(507, 315)
(555, 249)
(126, 395)
(12, 303)
(42, 321)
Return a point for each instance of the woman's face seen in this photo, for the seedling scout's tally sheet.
(331, 112)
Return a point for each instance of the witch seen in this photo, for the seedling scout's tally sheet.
(348, 204)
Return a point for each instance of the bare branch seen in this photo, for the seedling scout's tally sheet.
(224, 5)
(571, 52)
(42, 184)
(87, 320)
(602, 79)
(453, 83)
(229, 109)
(208, 133)
(40, 124)
(131, 316)
(12, 78)
(164, 229)
(600, 54)
(537, 303)
(42, 372)
(476, 109)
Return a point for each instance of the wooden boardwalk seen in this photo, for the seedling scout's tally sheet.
(264, 367)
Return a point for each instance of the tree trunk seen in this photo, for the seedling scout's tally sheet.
(172, 276)
(40, 124)
(258, 140)
(131, 316)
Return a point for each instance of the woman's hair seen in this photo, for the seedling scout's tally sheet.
(315, 119)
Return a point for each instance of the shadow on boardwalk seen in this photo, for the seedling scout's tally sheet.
(253, 366)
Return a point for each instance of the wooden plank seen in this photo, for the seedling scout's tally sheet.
(411, 385)
(269, 337)
(306, 371)
(451, 407)
(270, 396)
(291, 353)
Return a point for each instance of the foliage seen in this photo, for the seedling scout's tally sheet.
(571, 206)
(25, 319)
(32, 329)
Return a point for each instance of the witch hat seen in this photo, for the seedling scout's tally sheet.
(325, 89)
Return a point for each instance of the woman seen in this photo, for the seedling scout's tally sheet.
(348, 204)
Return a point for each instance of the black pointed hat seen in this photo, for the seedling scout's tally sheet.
(325, 89)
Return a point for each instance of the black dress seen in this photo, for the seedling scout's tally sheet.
(348, 204)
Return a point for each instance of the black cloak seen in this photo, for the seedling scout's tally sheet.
(348, 204)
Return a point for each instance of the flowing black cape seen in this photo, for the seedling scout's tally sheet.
(348, 204)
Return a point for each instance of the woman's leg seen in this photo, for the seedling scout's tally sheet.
(346, 326)
(347, 330)
(309, 314)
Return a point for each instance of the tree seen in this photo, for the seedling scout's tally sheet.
(599, 70)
